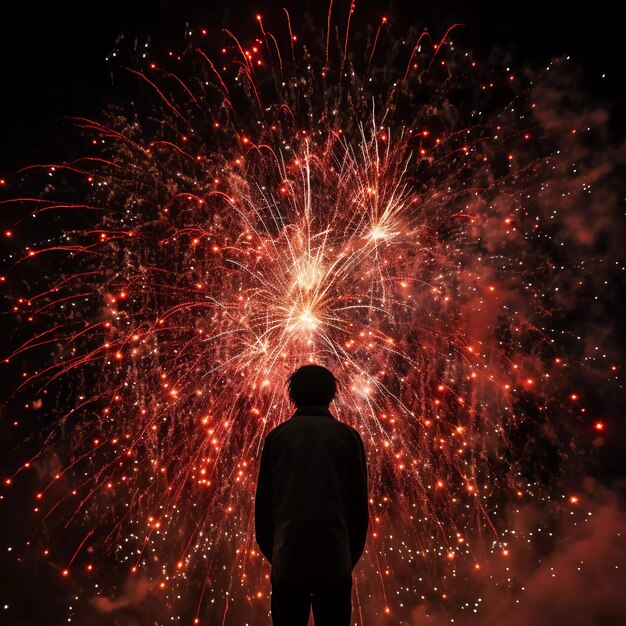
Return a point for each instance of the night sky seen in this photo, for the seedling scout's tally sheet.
(53, 56)
(52, 65)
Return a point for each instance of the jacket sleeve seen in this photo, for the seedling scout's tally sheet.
(359, 510)
(263, 520)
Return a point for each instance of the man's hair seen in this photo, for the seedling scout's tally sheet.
(312, 385)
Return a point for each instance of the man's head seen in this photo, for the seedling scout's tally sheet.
(312, 385)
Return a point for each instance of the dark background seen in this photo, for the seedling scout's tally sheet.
(52, 54)
(52, 64)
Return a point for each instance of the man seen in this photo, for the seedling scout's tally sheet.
(311, 510)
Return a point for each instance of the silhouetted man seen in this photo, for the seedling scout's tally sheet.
(311, 509)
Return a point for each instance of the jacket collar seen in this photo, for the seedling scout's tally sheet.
(313, 410)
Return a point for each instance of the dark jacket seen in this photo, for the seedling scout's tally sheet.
(311, 510)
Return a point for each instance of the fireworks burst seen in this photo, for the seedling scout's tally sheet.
(266, 204)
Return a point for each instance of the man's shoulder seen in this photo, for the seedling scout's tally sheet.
(350, 433)
(357, 435)
(333, 423)
(276, 429)
(350, 429)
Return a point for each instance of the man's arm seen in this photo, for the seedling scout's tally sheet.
(263, 521)
(359, 511)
